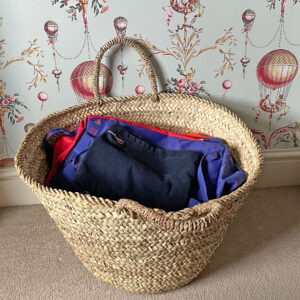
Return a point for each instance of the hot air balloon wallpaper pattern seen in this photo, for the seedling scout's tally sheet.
(275, 73)
(248, 18)
(179, 35)
(120, 24)
(74, 7)
(82, 81)
(51, 29)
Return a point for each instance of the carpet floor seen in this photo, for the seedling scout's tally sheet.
(258, 259)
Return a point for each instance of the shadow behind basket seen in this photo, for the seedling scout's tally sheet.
(123, 243)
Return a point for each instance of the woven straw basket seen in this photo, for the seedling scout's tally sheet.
(123, 243)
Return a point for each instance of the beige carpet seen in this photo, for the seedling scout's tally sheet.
(258, 259)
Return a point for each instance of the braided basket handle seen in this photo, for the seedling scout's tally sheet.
(139, 49)
(195, 218)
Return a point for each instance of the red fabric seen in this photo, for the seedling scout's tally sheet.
(65, 144)
(197, 136)
(62, 148)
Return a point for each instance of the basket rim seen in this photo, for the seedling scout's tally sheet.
(169, 220)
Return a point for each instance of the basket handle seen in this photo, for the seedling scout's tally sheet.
(139, 49)
(194, 218)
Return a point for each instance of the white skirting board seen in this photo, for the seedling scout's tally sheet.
(281, 168)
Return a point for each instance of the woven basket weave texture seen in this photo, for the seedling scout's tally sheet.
(123, 243)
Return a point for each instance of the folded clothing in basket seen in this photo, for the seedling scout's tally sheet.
(217, 173)
(70, 147)
(121, 164)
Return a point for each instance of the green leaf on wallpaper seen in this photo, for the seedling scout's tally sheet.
(79, 7)
(96, 5)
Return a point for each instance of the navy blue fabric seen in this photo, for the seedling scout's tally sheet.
(121, 164)
(217, 173)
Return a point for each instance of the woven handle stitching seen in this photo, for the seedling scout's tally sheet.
(139, 50)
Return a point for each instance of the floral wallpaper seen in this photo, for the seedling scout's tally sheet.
(241, 54)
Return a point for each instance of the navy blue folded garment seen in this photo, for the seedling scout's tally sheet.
(121, 164)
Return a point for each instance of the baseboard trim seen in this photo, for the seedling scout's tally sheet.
(13, 191)
(281, 168)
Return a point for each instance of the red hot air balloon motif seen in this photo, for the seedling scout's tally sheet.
(82, 80)
(275, 73)
(277, 69)
(120, 24)
(51, 28)
(248, 18)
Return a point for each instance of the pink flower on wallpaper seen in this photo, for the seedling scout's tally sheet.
(4, 103)
(10, 98)
(197, 85)
(190, 90)
(181, 82)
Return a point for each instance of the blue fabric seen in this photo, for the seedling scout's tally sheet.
(138, 170)
(217, 173)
